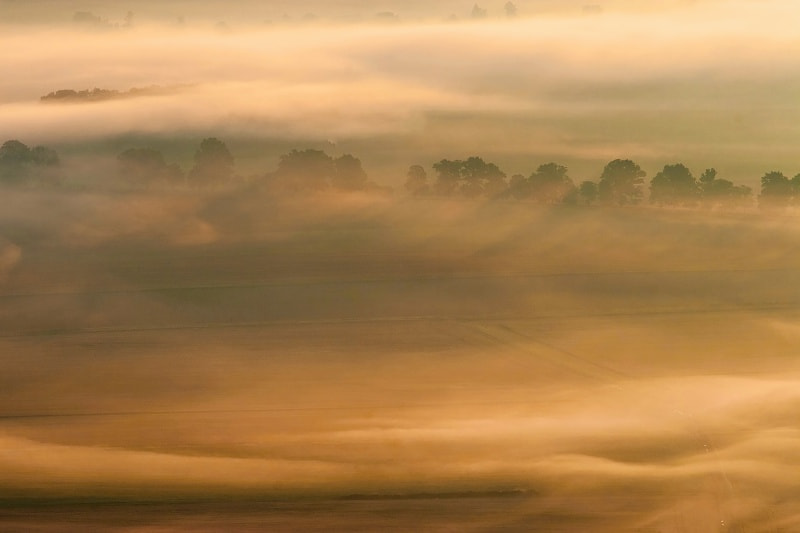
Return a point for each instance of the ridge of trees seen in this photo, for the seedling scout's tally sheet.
(621, 182)
(312, 170)
(98, 95)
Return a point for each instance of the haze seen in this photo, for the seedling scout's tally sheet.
(706, 83)
(253, 354)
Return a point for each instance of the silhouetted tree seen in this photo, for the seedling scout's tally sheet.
(715, 191)
(472, 177)
(448, 175)
(588, 192)
(620, 183)
(306, 170)
(348, 174)
(776, 191)
(795, 183)
(511, 9)
(213, 163)
(550, 184)
(480, 177)
(417, 181)
(145, 166)
(14, 152)
(19, 164)
(478, 12)
(674, 185)
(45, 157)
(89, 19)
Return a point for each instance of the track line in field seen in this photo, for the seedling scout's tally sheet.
(634, 313)
(312, 281)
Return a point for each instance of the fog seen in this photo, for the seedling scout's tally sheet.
(707, 83)
(189, 356)
(553, 368)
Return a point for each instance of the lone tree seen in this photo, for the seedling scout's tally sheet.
(550, 184)
(621, 183)
(306, 170)
(776, 191)
(674, 185)
(213, 163)
(417, 181)
(146, 166)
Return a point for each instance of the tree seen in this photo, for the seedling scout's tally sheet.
(588, 191)
(674, 185)
(306, 170)
(620, 183)
(795, 184)
(19, 164)
(213, 163)
(480, 177)
(348, 175)
(144, 166)
(519, 187)
(511, 9)
(478, 12)
(715, 191)
(550, 184)
(46, 157)
(417, 181)
(776, 191)
(448, 174)
(471, 177)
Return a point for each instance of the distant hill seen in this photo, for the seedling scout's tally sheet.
(96, 94)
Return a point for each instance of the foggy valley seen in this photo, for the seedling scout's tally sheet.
(522, 271)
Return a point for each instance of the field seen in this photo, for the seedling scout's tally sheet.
(203, 361)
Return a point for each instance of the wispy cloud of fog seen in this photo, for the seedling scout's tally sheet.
(568, 81)
(202, 344)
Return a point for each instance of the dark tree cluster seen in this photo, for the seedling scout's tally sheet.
(715, 192)
(88, 20)
(314, 170)
(778, 191)
(676, 186)
(473, 177)
(621, 183)
(97, 94)
(549, 185)
(213, 164)
(144, 167)
(21, 165)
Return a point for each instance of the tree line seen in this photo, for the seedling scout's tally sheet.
(621, 182)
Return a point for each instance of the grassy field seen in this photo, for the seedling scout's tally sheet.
(205, 361)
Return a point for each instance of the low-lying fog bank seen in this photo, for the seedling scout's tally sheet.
(606, 368)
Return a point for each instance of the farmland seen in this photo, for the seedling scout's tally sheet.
(354, 362)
